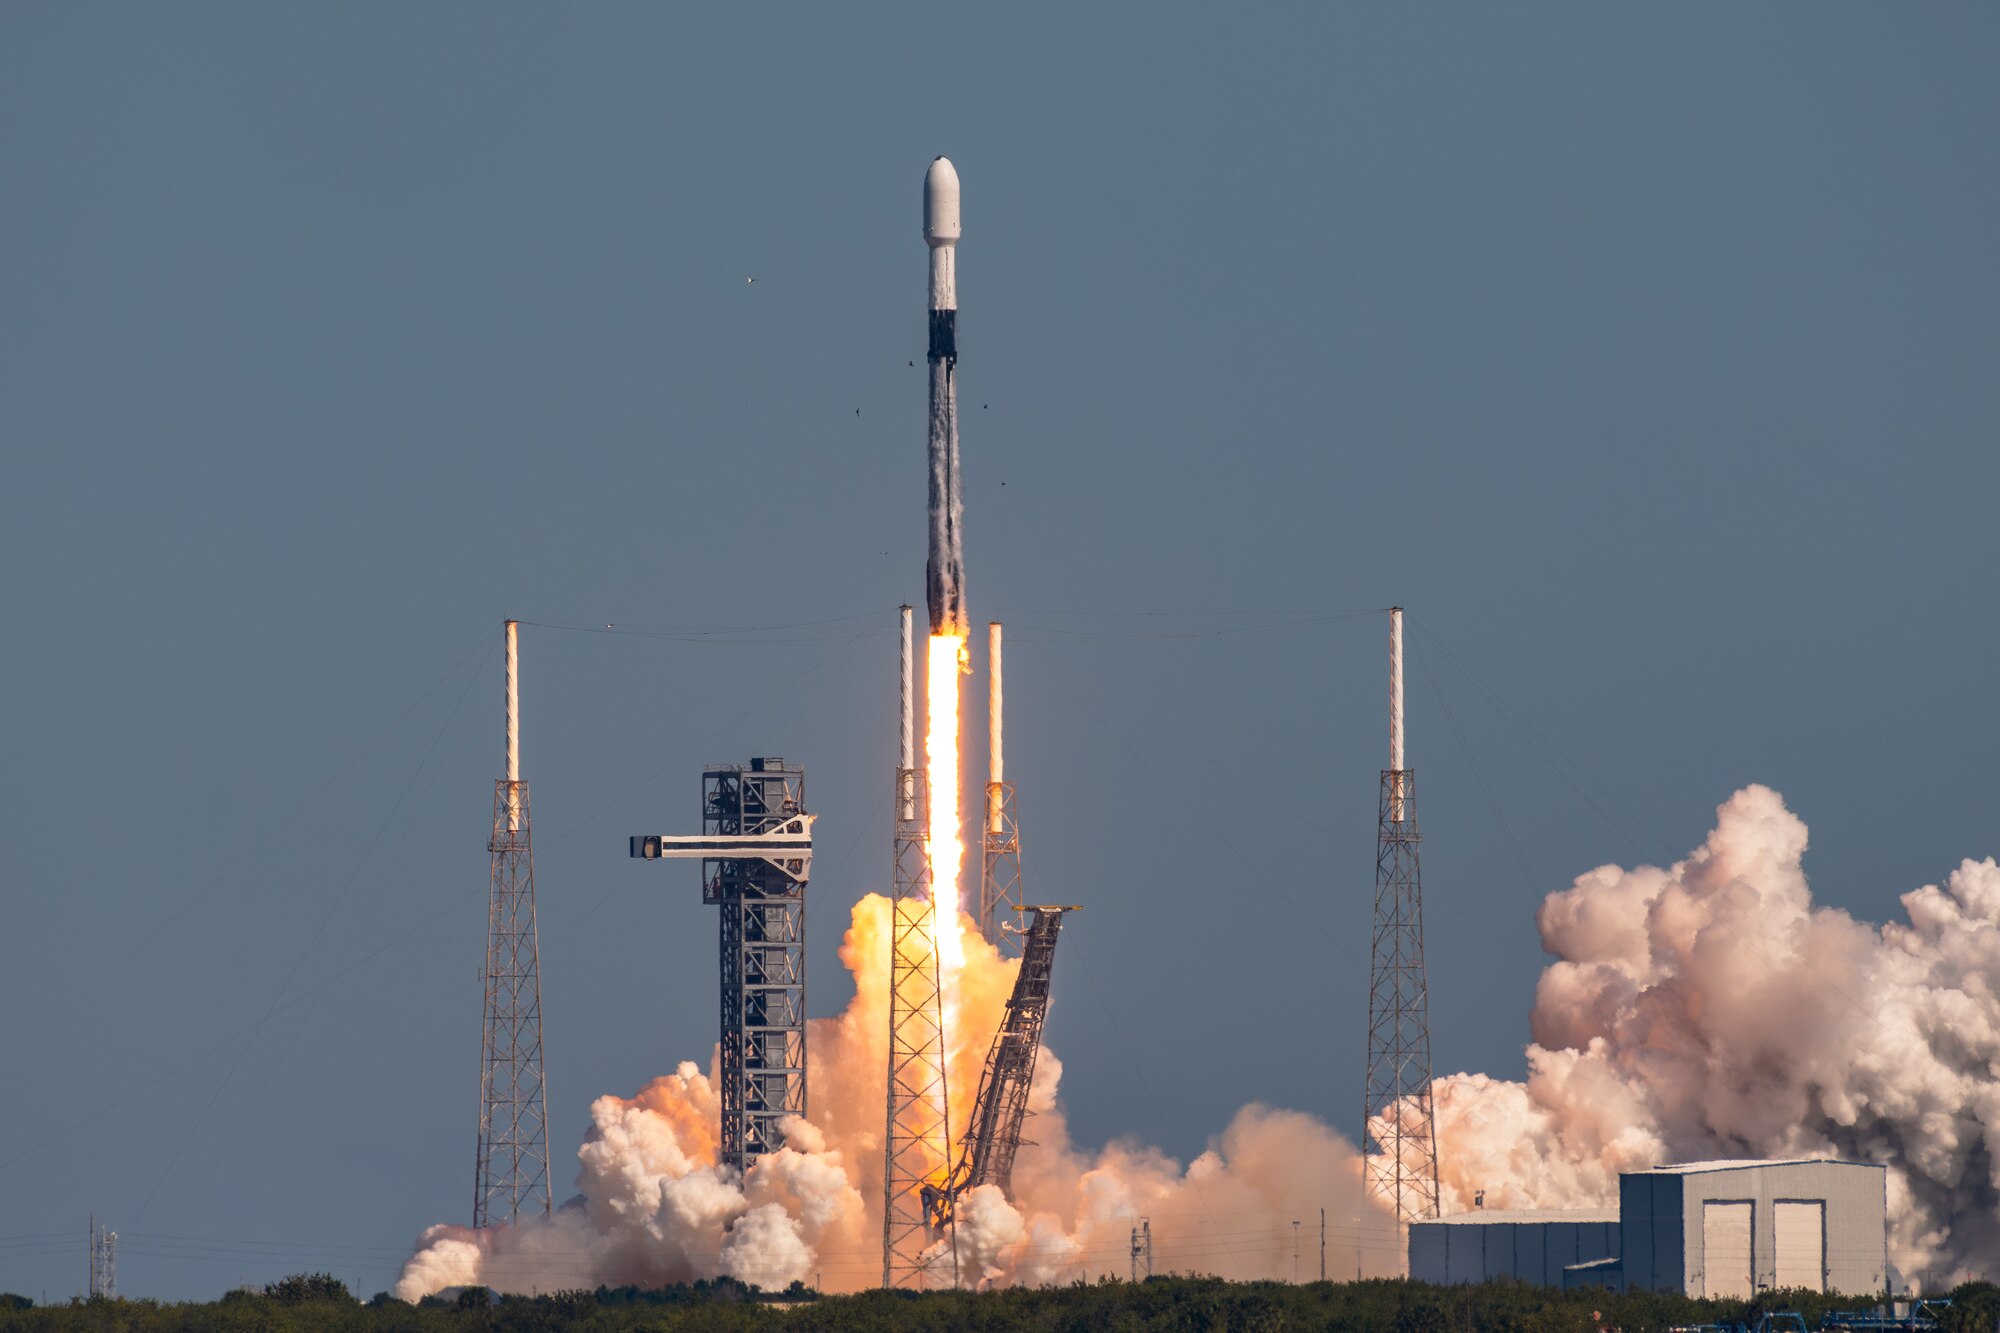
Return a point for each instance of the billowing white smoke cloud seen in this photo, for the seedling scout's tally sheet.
(1711, 1010)
(654, 1207)
(1229, 1212)
(1704, 1010)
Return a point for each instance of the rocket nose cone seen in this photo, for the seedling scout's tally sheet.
(941, 202)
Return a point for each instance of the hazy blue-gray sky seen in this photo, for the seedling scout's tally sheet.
(1647, 355)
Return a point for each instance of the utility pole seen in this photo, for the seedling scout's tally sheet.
(1322, 1244)
(1295, 1251)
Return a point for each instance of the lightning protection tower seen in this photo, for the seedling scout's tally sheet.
(1000, 842)
(513, 1170)
(918, 1136)
(1399, 1133)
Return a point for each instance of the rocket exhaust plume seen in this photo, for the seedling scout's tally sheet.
(653, 1203)
(947, 842)
(1705, 1009)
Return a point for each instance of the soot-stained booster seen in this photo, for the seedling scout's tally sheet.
(944, 574)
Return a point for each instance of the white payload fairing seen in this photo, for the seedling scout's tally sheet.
(944, 574)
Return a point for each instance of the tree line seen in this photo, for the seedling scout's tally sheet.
(318, 1301)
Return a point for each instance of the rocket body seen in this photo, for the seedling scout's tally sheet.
(944, 574)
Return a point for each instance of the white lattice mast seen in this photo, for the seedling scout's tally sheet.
(1399, 1126)
(918, 1135)
(1000, 908)
(512, 1174)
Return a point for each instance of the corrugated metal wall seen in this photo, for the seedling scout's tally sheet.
(1453, 1252)
(1843, 1202)
(1805, 1224)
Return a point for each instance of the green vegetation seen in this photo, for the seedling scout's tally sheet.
(1975, 1308)
(300, 1288)
(317, 1301)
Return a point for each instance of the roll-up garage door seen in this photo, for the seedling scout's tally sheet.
(1725, 1248)
(1801, 1237)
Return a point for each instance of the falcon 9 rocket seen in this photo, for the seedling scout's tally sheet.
(944, 575)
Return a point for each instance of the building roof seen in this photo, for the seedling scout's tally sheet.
(1482, 1217)
(1693, 1168)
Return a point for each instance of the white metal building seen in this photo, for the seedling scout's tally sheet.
(1530, 1246)
(1703, 1228)
(1734, 1228)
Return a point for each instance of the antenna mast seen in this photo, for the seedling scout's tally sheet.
(103, 1262)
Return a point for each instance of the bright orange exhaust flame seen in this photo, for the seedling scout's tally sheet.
(947, 845)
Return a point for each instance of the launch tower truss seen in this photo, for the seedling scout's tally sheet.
(763, 956)
(512, 1174)
(1398, 1127)
(1000, 1109)
(755, 849)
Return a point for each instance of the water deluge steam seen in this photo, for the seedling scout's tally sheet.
(1706, 1009)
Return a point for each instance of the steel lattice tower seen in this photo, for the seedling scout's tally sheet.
(755, 849)
(513, 1170)
(103, 1262)
(918, 1135)
(1399, 1132)
(763, 956)
(1000, 841)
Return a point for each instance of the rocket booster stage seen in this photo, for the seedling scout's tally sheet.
(944, 577)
